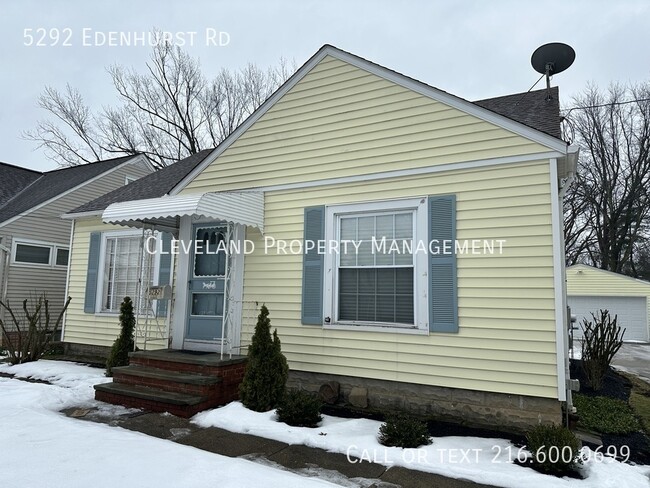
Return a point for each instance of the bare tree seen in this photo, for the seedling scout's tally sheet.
(607, 210)
(167, 112)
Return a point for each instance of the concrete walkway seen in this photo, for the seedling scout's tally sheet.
(307, 461)
(634, 358)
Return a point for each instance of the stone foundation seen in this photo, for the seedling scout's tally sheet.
(499, 411)
(74, 349)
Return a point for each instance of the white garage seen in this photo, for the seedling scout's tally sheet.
(591, 289)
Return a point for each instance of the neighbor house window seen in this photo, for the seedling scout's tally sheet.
(374, 277)
(35, 253)
(124, 264)
(62, 256)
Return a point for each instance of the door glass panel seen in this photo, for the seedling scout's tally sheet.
(207, 304)
(210, 258)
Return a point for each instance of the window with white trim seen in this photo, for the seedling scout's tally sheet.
(375, 277)
(124, 264)
(27, 252)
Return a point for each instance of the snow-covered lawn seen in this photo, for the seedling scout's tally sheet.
(481, 460)
(40, 447)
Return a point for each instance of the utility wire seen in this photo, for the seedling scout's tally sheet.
(636, 100)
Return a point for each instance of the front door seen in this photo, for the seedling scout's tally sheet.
(207, 283)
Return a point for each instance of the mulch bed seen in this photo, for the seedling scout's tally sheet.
(614, 385)
(619, 387)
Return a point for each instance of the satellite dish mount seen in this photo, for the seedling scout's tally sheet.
(550, 59)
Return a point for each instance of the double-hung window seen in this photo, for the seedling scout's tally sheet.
(373, 272)
(123, 266)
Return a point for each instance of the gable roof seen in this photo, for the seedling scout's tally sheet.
(13, 179)
(495, 114)
(53, 183)
(153, 185)
(605, 272)
(530, 108)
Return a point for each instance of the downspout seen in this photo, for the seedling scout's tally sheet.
(67, 277)
(573, 152)
(4, 284)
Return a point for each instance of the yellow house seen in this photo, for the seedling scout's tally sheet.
(407, 242)
(591, 289)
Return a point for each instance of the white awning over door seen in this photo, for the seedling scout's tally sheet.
(241, 207)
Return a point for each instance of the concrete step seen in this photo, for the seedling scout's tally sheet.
(180, 404)
(167, 380)
(151, 394)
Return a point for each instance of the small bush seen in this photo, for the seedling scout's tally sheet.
(300, 409)
(555, 449)
(605, 415)
(124, 344)
(404, 431)
(602, 338)
(266, 369)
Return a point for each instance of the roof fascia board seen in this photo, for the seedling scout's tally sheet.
(419, 87)
(69, 190)
(81, 215)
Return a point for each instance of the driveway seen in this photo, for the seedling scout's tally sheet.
(634, 358)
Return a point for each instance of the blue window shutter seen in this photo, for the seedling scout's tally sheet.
(443, 290)
(164, 270)
(312, 268)
(90, 299)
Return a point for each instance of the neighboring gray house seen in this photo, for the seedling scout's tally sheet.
(34, 240)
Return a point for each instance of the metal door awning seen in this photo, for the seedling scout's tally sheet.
(163, 213)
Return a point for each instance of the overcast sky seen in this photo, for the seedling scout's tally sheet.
(473, 49)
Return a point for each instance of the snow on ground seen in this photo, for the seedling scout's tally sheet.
(482, 460)
(42, 447)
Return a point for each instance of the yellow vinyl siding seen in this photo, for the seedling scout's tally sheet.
(342, 121)
(506, 341)
(81, 327)
(584, 280)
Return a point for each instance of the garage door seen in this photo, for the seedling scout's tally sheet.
(631, 312)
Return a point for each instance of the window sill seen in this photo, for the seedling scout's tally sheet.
(18, 264)
(377, 328)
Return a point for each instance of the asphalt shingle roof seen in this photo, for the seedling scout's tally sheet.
(153, 185)
(51, 184)
(13, 179)
(531, 108)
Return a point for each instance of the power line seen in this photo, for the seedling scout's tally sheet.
(636, 100)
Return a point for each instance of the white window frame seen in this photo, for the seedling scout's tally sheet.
(420, 282)
(99, 299)
(129, 179)
(53, 247)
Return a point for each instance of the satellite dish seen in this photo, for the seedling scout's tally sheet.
(552, 58)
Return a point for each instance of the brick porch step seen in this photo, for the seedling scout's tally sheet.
(179, 382)
(167, 380)
(186, 362)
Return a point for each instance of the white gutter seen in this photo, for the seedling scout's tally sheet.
(5, 276)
